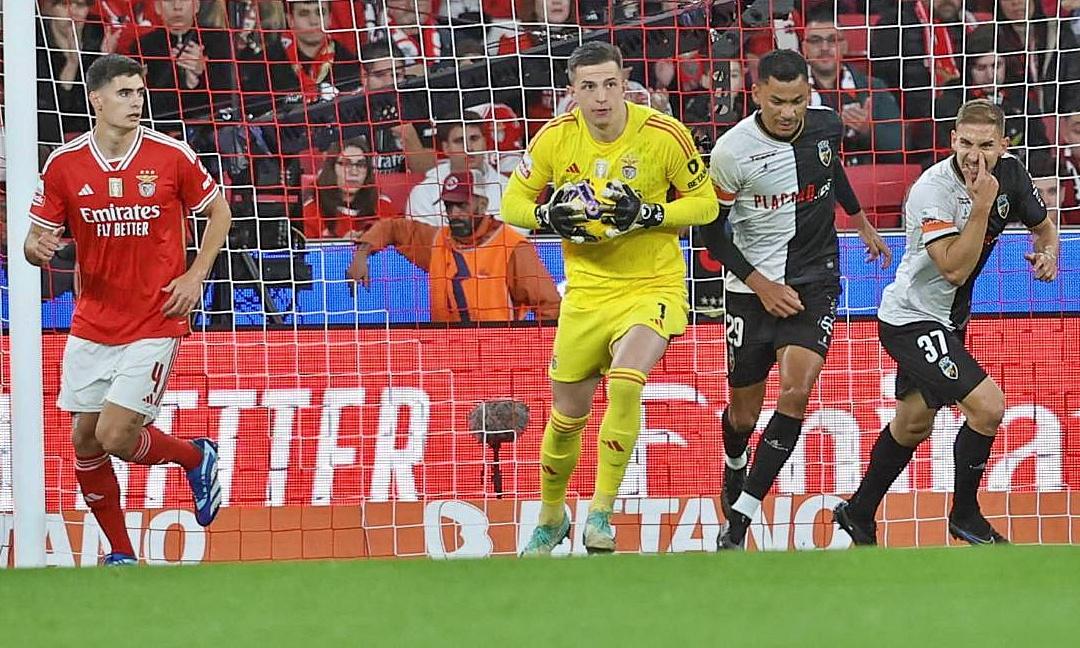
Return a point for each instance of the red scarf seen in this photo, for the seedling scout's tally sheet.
(430, 49)
(940, 45)
(311, 73)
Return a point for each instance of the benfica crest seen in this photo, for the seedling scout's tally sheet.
(824, 152)
(147, 182)
(629, 166)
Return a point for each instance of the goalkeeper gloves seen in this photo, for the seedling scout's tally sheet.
(628, 211)
(567, 211)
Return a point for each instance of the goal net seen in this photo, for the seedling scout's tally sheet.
(386, 418)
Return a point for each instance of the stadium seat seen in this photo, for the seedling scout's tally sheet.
(855, 32)
(396, 187)
(392, 186)
(881, 189)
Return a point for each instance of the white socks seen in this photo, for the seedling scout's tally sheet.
(746, 504)
(737, 463)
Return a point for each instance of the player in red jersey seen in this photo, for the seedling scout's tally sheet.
(125, 192)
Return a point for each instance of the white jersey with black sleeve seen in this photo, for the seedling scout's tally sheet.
(781, 195)
(938, 206)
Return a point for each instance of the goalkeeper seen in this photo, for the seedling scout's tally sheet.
(614, 164)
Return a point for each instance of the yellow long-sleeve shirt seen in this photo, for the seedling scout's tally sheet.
(654, 154)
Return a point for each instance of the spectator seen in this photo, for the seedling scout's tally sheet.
(1070, 11)
(184, 63)
(463, 144)
(1048, 187)
(130, 20)
(872, 130)
(66, 42)
(722, 104)
(1036, 46)
(1069, 165)
(543, 21)
(306, 64)
(556, 12)
(504, 135)
(468, 51)
(400, 146)
(415, 31)
(902, 57)
(346, 200)
(479, 268)
(984, 78)
(254, 28)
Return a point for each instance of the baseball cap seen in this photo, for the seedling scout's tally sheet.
(459, 186)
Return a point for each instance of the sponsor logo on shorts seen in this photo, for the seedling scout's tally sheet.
(826, 323)
(949, 368)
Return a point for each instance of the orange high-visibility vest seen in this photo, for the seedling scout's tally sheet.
(470, 284)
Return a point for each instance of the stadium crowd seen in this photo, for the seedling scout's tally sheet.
(216, 68)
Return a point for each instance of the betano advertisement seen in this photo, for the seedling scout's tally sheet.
(355, 443)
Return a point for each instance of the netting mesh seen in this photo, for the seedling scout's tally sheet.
(342, 409)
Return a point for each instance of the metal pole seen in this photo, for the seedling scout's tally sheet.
(24, 283)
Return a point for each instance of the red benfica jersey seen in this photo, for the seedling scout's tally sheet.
(127, 217)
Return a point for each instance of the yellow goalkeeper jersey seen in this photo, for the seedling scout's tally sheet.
(654, 154)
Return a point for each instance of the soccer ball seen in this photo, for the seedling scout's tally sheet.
(587, 199)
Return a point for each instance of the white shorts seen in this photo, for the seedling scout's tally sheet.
(132, 375)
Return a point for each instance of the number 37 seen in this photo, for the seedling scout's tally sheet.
(933, 351)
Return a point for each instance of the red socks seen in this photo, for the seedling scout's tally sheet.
(156, 447)
(102, 494)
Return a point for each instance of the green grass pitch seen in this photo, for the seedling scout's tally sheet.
(996, 596)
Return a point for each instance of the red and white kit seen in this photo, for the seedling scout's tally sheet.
(127, 217)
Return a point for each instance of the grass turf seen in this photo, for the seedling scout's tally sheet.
(997, 596)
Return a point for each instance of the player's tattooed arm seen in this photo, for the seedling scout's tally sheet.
(41, 244)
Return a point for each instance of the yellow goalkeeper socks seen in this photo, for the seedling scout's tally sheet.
(559, 454)
(618, 434)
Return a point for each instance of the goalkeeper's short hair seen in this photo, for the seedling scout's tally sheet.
(593, 53)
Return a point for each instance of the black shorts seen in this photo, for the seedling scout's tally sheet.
(753, 335)
(932, 359)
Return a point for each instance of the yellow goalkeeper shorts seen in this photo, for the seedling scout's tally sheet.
(589, 326)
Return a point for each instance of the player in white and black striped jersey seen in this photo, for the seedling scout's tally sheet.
(953, 215)
(778, 176)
